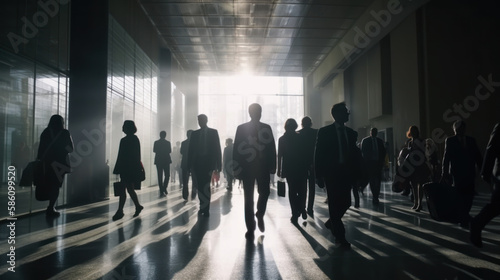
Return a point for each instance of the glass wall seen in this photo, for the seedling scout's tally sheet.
(132, 95)
(225, 101)
(30, 94)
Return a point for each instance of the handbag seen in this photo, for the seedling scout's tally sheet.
(142, 175)
(281, 188)
(27, 175)
(119, 188)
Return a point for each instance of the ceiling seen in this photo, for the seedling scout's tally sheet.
(261, 37)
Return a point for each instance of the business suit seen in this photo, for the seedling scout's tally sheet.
(491, 167)
(291, 165)
(204, 157)
(254, 155)
(337, 167)
(373, 151)
(162, 150)
(461, 155)
(308, 137)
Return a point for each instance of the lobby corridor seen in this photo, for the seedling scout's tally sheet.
(170, 241)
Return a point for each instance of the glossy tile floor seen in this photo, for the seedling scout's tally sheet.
(169, 241)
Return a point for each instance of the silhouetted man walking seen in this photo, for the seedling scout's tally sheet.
(254, 157)
(373, 151)
(204, 158)
(308, 137)
(336, 162)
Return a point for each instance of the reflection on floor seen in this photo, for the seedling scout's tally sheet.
(170, 241)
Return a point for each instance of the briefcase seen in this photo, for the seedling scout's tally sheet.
(281, 188)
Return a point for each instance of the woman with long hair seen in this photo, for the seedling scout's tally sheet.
(55, 145)
(129, 166)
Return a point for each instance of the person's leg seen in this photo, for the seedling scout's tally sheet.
(301, 195)
(121, 203)
(490, 211)
(248, 190)
(166, 170)
(159, 171)
(292, 198)
(204, 193)
(312, 191)
(185, 183)
(263, 189)
(414, 189)
(135, 199)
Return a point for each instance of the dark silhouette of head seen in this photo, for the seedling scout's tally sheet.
(306, 122)
(229, 141)
(255, 112)
(291, 125)
(202, 120)
(56, 122)
(340, 113)
(459, 128)
(163, 134)
(188, 133)
(374, 132)
(129, 127)
(413, 132)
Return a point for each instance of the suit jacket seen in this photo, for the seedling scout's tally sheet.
(461, 161)
(128, 162)
(208, 158)
(291, 156)
(327, 153)
(254, 150)
(491, 164)
(162, 150)
(367, 150)
(308, 138)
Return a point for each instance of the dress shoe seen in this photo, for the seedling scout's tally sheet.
(138, 210)
(343, 244)
(260, 223)
(304, 215)
(475, 235)
(376, 201)
(294, 220)
(118, 215)
(356, 205)
(51, 212)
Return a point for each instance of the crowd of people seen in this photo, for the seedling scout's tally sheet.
(330, 157)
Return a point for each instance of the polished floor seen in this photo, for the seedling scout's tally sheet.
(170, 241)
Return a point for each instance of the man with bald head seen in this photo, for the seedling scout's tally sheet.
(204, 158)
(254, 159)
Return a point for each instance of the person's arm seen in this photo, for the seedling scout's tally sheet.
(491, 154)
(446, 160)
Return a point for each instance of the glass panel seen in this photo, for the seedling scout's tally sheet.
(280, 97)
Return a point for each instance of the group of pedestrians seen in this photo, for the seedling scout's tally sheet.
(328, 157)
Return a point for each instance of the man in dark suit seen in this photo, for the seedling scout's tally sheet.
(254, 156)
(461, 155)
(162, 150)
(373, 151)
(204, 158)
(308, 137)
(491, 174)
(184, 150)
(336, 163)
